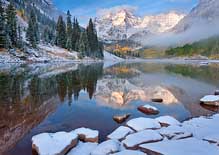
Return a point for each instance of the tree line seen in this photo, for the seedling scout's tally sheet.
(66, 33)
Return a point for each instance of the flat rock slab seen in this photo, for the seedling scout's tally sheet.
(148, 109)
(120, 133)
(107, 147)
(210, 100)
(54, 143)
(212, 138)
(174, 132)
(129, 152)
(87, 135)
(146, 136)
(141, 123)
(167, 120)
(83, 149)
(189, 146)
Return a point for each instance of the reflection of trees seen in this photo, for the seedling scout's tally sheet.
(85, 78)
(204, 73)
(25, 100)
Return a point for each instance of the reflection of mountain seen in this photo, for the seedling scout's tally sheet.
(27, 98)
(120, 92)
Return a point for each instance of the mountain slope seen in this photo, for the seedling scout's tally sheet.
(206, 12)
(122, 24)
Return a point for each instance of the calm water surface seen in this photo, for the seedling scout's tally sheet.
(53, 97)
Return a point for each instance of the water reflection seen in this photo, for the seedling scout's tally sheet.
(52, 97)
(26, 98)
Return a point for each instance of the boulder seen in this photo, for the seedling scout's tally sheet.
(148, 110)
(147, 136)
(167, 120)
(83, 149)
(159, 100)
(120, 133)
(216, 92)
(107, 147)
(210, 100)
(141, 123)
(54, 143)
(121, 118)
(87, 135)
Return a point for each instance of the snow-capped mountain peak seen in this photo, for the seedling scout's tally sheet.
(122, 23)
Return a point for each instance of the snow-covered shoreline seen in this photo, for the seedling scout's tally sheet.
(140, 136)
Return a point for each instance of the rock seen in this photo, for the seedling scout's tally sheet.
(87, 135)
(120, 133)
(83, 149)
(175, 132)
(160, 100)
(107, 147)
(216, 92)
(148, 110)
(54, 143)
(129, 152)
(147, 136)
(212, 138)
(189, 146)
(167, 120)
(210, 100)
(141, 123)
(122, 118)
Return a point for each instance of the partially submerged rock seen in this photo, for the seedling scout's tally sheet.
(129, 152)
(148, 110)
(87, 135)
(141, 123)
(210, 100)
(212, 138)
(159, 100)
(54, 143)
(167, 120)
(107, 147)
(83, 149)
(189, 146)
(120, 133)
(121, 118)
(146, 136)
(216, 92)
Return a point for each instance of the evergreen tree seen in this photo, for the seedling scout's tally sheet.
(3, 36)
(95, 46)
(48, 35)
(61, 33)
(75, 34)
(20, 40)
(83, 45)
(69, 31)
(32, 30)
(11, 21)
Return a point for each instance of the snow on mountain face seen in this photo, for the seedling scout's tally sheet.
(206, 12)
(122, 24)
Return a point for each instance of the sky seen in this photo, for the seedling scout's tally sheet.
(85, 9)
